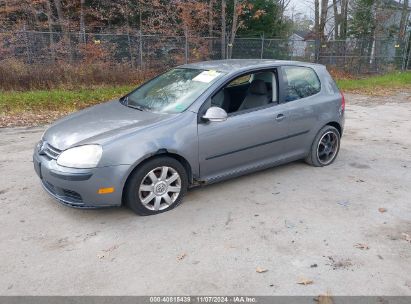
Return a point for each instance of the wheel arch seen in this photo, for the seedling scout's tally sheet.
(335, 125)
(158, 153)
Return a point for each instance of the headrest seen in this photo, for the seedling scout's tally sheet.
(258, 87)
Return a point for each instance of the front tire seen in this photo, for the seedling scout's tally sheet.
(325, 147)
(156, 186)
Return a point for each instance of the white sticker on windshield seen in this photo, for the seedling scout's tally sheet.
(206, 76)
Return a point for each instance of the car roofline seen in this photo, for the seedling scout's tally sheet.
(231, 66)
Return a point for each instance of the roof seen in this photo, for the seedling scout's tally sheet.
(233, 65)
(305, 35)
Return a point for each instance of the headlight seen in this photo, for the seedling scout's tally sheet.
(82, 157)
(39, 145)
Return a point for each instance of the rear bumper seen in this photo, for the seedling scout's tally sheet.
(78, 188)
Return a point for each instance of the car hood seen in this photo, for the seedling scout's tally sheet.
(97, 123)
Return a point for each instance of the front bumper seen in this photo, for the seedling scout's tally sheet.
(79, 187)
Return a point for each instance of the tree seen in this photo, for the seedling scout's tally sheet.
(223, 28)
(403, 21)
(266, 17)
(362, 21)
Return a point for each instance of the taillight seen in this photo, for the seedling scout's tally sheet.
(342, 101)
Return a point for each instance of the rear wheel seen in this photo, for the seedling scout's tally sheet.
(325, 147)
(156, 186)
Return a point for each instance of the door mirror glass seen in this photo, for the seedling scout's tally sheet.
(215, 114)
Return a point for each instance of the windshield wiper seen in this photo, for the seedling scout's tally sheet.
(125, 102)
(140, 108)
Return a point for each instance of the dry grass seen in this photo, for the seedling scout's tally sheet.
(17, 76)
(377, 85)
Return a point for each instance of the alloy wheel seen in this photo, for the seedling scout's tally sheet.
(327, 147)
(160, 188)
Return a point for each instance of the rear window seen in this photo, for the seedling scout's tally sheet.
(300, 82)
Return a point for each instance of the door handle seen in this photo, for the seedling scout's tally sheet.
(280, 117)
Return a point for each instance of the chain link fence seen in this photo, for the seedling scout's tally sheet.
(158, 52)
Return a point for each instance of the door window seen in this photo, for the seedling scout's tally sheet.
(247, 92)
(300, 82)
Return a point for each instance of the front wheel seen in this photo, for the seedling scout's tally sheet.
(156, 186)
(325, 147)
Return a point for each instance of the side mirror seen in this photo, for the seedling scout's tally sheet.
(215, 114)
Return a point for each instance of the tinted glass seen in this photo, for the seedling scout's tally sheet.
(173, 91)
(301, 82)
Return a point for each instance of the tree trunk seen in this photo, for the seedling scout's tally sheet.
(82, 23)
(336, 19)
(60, 15)
(317, 19)
(234, 27)
(317, 28)
(344, 19)
(50, 24)
(210, 25)
(223, 28)
(403, 22)
(323, 19)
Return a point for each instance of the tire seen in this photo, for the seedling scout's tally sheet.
(323, 152)
(148, 192)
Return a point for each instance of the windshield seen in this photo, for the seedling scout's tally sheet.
(173, 91)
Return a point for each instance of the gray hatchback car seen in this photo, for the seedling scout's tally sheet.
(195, 124)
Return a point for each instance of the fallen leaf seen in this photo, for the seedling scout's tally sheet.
(382, 210)
(325, 299)
(362, 246)
(406, 236)
(261, 270)
(304, 281)
(112, 248)
(181, 256)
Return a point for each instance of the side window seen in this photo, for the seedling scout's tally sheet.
(247, 92)
(300, 82)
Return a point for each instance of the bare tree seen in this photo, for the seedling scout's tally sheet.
(50, 25)
(403, 21)
(323, 18)
(234, 28)
(340, 18)
(344, 18)
(82, 23)
(60, 15)
(317, 19)
(210, 24)
(336, 19)
(223, 28)
(283, 5)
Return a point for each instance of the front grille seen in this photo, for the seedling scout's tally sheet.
(49, 151)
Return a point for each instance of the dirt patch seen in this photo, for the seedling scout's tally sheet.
(339, 263)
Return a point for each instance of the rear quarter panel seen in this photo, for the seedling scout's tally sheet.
(314, 112)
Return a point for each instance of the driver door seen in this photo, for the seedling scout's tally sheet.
(248, 139)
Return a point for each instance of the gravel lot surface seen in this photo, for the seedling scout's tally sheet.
(295, 221)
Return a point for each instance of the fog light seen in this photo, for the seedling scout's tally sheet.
(106, 190)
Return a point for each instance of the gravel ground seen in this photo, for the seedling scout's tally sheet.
(295, 221)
